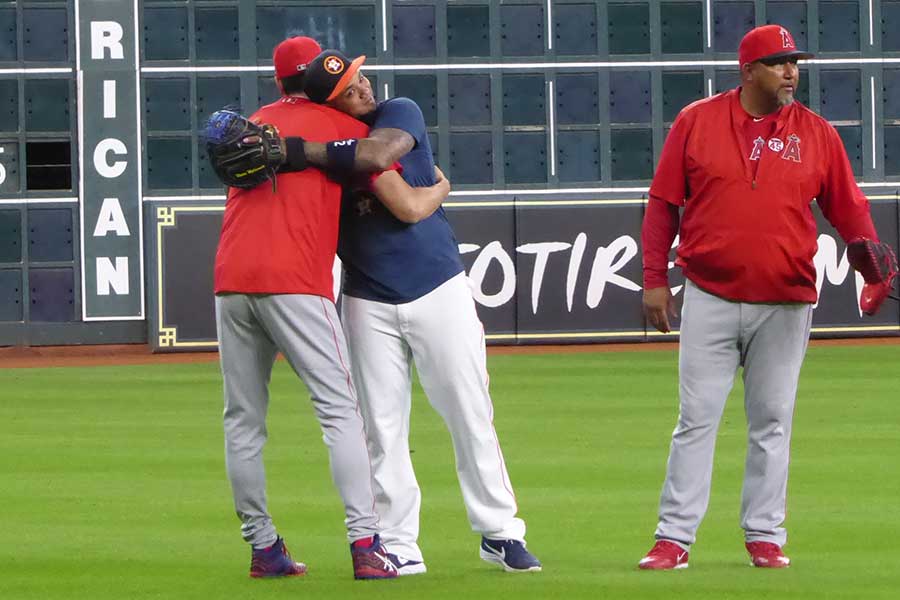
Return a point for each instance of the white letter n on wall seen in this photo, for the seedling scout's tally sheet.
(115, 277)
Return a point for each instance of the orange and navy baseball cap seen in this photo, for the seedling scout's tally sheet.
(768, 42)
(329, 74)
(293, 55)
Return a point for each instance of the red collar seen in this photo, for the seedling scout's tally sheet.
(294, 99)
(739, 116)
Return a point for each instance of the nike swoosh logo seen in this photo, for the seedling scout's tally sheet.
(755, 120)
(501, 553)
(681, 556)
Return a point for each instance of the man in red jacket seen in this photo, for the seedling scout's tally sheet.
(274, 293)
(745, 166)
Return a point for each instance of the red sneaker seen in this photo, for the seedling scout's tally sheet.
(767, 554)
(665, 555)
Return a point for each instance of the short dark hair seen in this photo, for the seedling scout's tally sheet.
(292, 84)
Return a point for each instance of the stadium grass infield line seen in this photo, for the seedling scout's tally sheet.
(113, 485)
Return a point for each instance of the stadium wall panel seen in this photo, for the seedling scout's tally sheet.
(547, 116)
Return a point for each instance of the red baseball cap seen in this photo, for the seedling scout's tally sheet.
(293, 54)
(769, 41)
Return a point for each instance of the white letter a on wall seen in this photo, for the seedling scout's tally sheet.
(111, 219)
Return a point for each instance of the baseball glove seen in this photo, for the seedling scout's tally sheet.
(242, 153)
(877, 263)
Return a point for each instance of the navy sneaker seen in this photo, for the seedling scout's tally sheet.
(407, 567)
(370, 559)
(509, 554)
(275, 561)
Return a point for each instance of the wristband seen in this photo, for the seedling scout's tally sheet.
(341, 155)
(295, 159)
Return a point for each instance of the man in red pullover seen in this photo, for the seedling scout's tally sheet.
(745, 166)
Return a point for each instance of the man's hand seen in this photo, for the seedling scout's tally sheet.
(659, 305)
(439, 177)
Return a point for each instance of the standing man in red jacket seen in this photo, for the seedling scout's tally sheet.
(745, 166)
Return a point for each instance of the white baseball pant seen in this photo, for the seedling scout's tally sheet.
(440, 333)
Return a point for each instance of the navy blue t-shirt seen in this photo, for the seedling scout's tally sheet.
(385, 259)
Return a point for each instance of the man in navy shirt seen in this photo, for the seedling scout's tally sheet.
(407, 300)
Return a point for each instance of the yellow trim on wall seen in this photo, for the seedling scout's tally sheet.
(165, 217)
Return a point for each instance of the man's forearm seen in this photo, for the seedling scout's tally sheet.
(370, 155)
(375, 153)
(658, 231)
(316, 154)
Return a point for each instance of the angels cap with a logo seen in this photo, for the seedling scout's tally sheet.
(293, 55)
(329, 74)
(769, 42)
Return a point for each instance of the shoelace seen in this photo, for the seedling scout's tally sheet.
(388, 565)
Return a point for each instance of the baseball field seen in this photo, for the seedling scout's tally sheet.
(112, 485)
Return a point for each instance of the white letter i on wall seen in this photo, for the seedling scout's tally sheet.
(109, 98)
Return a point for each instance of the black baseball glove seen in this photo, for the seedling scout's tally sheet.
(242, 153)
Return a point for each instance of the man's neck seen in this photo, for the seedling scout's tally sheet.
(756, 106)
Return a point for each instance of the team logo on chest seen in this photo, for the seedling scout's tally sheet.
(365, 203)
(789, 151)
(758, 144)
(792, 151)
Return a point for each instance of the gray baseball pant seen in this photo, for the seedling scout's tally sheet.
(718, 336)
(252, 329)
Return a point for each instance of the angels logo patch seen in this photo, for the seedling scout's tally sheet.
(792, 151)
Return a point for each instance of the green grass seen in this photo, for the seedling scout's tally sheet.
(112, 485)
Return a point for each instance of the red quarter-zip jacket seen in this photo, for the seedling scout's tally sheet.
(749, 234)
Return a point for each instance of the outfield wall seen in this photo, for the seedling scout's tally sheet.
(547, 117)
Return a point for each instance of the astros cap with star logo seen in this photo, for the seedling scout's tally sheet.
(329, 74)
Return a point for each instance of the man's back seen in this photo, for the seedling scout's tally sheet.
(283, 241)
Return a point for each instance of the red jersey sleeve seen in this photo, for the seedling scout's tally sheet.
(657, 234)
(842, 202)
(370, 180)
(669, 180)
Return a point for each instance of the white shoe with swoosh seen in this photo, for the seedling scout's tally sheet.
(509, 554)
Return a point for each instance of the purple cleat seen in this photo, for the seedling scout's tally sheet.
(275, 561)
